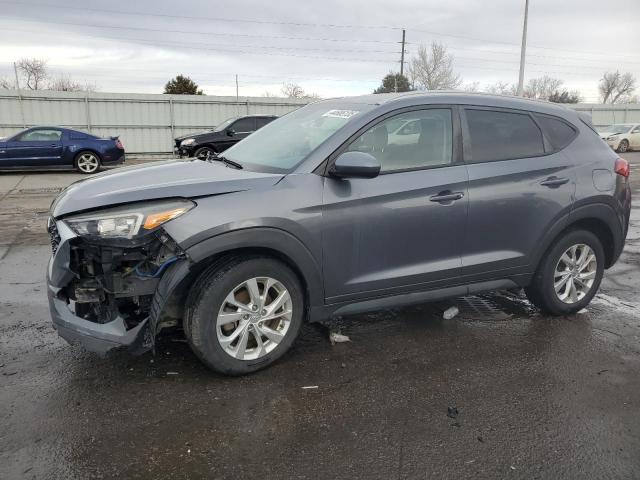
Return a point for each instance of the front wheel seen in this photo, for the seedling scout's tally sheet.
(623, 146)
(244, 314)
(87, 162)
(204, 153)
(569, 275)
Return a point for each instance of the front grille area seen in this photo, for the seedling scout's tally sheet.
(54, 236)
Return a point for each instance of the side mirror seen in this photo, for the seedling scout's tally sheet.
(355, 165)
(231, 132)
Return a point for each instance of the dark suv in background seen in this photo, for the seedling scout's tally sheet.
(223, 136)
(338, 208)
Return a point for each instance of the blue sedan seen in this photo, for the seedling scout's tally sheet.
(49, 148)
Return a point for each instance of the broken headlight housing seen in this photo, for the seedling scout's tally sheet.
(129, 221)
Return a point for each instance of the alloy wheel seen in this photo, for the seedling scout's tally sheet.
(575, 273)
(254, 318)
(88, 163)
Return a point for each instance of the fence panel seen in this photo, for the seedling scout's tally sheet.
(148, 123)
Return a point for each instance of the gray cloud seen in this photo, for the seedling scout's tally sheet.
(331, 47)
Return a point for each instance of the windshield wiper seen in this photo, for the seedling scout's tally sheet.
(223, 159)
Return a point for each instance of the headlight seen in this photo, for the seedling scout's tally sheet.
(187, 141)
(612, 137)
(128, 221)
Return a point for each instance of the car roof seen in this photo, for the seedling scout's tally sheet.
(457, 97)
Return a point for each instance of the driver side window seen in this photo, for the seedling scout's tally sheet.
(418, 139)
(41, 136)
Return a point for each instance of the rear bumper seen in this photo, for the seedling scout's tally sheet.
(114, 159)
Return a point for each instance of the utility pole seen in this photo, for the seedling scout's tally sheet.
(237, 96)
(15, 71)
(402, 54)
(523, 49)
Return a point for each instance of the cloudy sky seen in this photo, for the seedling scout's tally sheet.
(330, 47)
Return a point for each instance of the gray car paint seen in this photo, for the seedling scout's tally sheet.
(378, 241)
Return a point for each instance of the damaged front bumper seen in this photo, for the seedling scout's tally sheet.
(100, 296)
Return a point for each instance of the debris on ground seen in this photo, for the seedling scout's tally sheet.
(309, 387)
(173, 373)
(452, 412)
(583, 311)
(336, 337)
(481, 440)
(450, 312)
(602, 371)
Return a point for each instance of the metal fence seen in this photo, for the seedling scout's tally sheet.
(147, 123)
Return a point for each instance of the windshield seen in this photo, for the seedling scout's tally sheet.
(286, 142)
(224, 124)
(618, 128)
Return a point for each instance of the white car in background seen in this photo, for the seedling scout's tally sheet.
(622, 136)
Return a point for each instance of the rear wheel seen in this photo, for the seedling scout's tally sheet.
(623, 146)
(569, 275)
(204, 152)
(87, 162)
(244, 314)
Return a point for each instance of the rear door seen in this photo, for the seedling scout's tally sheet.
(402, 230)
(38, 147)
(519, 184)
(634, 138)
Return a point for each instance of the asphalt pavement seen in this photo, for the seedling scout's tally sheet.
(499, 391)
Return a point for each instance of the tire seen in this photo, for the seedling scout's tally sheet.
(208, 299)
(87, 162)
(203, 152)
(623, 146)
(542, 292)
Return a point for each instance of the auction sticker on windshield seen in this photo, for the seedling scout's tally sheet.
(340, 113)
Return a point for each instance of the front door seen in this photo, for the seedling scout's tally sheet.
(402, 230)
(634, 138)
(39, 147)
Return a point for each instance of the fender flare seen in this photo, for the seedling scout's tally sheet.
(595, 211)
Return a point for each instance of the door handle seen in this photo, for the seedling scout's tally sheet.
(53, 145)
(554, 181)
(443, 197)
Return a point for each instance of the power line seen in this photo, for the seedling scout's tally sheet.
(296, 24)
(215, 19)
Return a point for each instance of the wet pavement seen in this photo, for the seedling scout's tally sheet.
(536, 396)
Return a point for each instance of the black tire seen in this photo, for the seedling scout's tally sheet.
(542, 293)
(79, 165)
(207, 296)
(203, 152)
(623, 146)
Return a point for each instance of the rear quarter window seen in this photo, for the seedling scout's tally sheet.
(499, 135)
(558, 132)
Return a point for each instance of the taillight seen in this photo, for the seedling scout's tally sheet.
(119, 144)
(621, 167)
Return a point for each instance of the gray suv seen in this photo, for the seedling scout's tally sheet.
(340, 207)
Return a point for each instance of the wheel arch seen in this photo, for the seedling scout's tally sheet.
(599, 219)
(170, 298)
(80, 151)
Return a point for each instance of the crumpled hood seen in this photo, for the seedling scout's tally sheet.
(173, 178)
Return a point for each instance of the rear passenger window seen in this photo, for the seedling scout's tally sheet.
(502, 136)
(262, 121)
(558, 132)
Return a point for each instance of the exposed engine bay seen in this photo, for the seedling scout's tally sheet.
(118, 278)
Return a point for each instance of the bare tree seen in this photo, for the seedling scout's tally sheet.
(64, 83)
(472, 87)
(34, 71)
(432, 68)
(293, 90)
(501, 88)
(542, 88)
(615, 87)
(7, 84)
